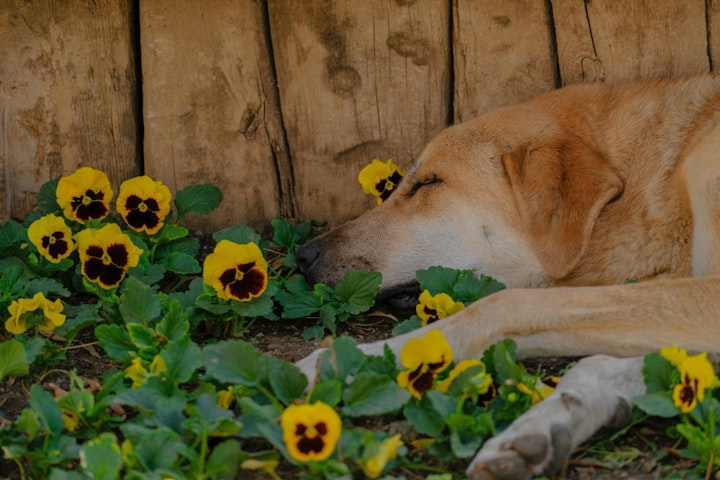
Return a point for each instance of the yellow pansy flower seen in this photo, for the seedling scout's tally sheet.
(432, 308)
(310, 431)
(52, 237)
(106, 254)
(380, 178)
(236, 271)
(38, 310)
(423, 359)
(143, 203)
(84, 195)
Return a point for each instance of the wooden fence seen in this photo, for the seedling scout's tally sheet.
(281, 102)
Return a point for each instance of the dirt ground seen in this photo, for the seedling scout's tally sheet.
(644, 452)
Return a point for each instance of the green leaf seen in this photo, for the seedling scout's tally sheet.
(255, 307)
(501, 361)
(225, 460)
(301, 305)
(286, 380)
(342, 360)
(357, 291)
(12, 235)
(489, 285)
(116, 342)
(467, 433)
(48, 286)
(437, 280)
(291, 236)
(138, 303)
(47, 410)
(175, 324)
(424, 418)
(239, 234)
(46, 199)
(657, 372)
(371, 395)
(235, 362)
(13, 362)
(181, 263)
(182, 359)
(659, 404)
(145, 339)
(412, 323)
(328, 391)
(100, 457)
(198, 199)
(158, 449)
(170, 232)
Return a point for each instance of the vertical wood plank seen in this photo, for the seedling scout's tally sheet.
(67, 95)
(503, 54)
(712, 12)
(358, 80)
(618, 41)
(211, 110)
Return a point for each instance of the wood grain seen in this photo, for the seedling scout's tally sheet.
(68, 95)
(503, 54)
(210, 107)
(358, 80)
(605, 40)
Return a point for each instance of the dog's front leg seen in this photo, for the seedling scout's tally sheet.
(597, 392)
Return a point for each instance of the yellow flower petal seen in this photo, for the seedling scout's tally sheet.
(136, 372)
(143, 203)
(225, 398)
(386, 451)
(432, 308)
(84, 195)
(380, 178)
(106, 254)
(423, 359)
(310, 431)
(21, 310)
(52, 237)
(236, 271)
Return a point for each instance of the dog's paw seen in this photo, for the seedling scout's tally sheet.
(596, 393)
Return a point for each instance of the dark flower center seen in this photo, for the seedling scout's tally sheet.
(421, 379)
(55, 244)
(106, 266)
(89, 206)
(687, 394)
(142, 212)
(311, 441)
(244, 281)
(431, 313)
(387, 185)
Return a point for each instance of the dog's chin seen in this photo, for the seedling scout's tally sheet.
(399, 300)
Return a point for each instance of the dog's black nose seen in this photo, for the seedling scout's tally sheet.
(309, 258)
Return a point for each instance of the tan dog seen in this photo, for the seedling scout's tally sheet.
(585, 187)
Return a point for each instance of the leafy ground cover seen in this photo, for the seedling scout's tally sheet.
(131, 349)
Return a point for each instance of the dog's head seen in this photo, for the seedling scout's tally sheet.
(519, 210)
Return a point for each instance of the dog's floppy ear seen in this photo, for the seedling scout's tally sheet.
(559, 191)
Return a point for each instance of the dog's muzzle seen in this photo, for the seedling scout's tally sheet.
(309, 258)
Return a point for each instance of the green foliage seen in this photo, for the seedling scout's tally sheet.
(189, 398)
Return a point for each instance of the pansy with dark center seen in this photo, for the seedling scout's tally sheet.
(697, 375)
(236, 271)
(143, 203)
(84, 195)
(310, 431)
(423, 358)
(432, 308)
(52, 237)
(380, 179)
(106, 254)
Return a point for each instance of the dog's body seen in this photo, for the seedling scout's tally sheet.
(585, 187)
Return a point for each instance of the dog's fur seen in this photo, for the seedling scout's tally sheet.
(585, 187)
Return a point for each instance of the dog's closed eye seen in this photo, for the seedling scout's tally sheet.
(427, 180)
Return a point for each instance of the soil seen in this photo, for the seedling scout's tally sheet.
(644, 452)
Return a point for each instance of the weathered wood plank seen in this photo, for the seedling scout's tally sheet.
(503, 54)
(68, 95)
(210, 107)
(358, 80)
(616, 41)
